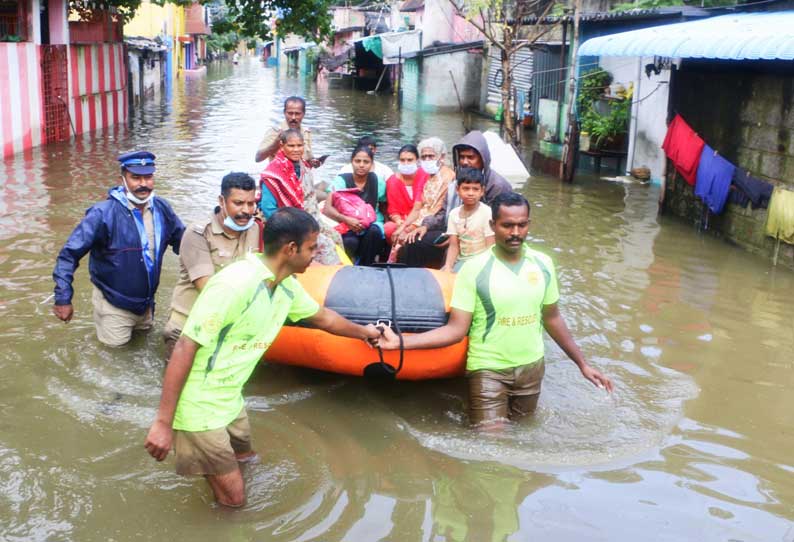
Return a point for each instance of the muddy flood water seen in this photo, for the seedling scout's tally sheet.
(695, 444)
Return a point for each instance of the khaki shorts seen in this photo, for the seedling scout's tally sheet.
(114, 326)
(211, 453)
(171, 333)
(504, 394)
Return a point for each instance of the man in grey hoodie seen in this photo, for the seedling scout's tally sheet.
(471, 151)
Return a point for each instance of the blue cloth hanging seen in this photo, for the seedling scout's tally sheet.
(713, 180)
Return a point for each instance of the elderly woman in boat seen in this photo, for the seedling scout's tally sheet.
(413, 238)
(287, 182)
(363, 242)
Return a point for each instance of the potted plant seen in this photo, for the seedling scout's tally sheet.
(605, 129)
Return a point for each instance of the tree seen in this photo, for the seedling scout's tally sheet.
(307, 18)
(508, 25)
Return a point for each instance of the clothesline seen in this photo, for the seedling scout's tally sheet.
(717, 181)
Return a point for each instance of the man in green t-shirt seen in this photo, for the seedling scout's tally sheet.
(503, 299)
(236, 317)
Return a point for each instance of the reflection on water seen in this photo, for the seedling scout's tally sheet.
(694, 444)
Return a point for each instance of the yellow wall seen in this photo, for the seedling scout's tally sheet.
(152, 20)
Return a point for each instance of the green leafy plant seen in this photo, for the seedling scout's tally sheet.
(307, 18)
(89, 11)
(592, 85)
(225, 42)
(604, 130)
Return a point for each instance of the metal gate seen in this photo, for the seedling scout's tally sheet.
(55, 79)
(548, 79)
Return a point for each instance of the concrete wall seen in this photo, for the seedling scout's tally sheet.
(437, 22)
(411, 77)
(21, 102)
(150, 21)
(745, 111)
(434, 88)
(167, 21)
(647, 127)
(58, 21)
(97, 86)
(152, 75)
(345, 17)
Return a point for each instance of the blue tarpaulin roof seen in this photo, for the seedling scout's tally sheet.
(739, 36)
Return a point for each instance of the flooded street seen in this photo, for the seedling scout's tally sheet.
(695, 444)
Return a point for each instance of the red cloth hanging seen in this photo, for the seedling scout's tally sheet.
(684, 147)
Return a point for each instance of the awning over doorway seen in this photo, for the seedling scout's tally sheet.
(738, 36)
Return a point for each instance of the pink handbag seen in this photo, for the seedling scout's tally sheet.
(349, 203)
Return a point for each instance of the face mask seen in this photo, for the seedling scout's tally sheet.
(430, 166)
(135, 199)
(407, 169)
(234, 226)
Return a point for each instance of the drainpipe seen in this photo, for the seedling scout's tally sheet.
(635, 109)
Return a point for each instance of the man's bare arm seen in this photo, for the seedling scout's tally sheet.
(158, 441)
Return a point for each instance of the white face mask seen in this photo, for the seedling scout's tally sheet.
(132, 197)
(430, 166)
(407, 169)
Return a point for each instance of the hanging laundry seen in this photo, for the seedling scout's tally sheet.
(780, 220)
(684, 147)
(749, 188)
(713, 179)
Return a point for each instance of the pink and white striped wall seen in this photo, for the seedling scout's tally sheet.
(21, 100)
(97, 86)
(97, 92)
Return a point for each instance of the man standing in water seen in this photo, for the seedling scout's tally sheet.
(208, 246)
(127, 235)
(503, 299)
(294, 111)
(231, 325)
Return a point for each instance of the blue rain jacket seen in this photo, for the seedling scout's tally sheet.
(118, 265)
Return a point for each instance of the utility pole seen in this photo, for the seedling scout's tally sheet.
(570, 145)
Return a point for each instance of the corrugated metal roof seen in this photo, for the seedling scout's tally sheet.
(614, 16)
(738, 36)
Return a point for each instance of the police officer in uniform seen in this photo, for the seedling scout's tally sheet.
(208, 246)
(127, 235)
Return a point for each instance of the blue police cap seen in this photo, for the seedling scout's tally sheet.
(138, 162)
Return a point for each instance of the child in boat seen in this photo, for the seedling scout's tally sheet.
(468, 226)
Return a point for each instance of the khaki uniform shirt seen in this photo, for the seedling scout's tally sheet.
(206, 248)
(272, 134)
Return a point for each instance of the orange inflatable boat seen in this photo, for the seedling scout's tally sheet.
(364, 295)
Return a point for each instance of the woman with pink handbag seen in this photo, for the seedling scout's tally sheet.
(357, 202)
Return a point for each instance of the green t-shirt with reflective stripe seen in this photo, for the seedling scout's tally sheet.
(506, 302)
(234, 320)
